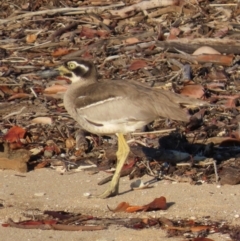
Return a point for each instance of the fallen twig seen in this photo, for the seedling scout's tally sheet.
(228, 46)
(225, 60)
(62, 10)
(141, 6)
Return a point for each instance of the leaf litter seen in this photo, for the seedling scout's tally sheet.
(189, 47)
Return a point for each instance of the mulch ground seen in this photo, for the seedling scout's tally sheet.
(190, 47)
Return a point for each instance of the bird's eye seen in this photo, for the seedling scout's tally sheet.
(71, 65)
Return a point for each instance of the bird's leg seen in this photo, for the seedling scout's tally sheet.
(122, 154)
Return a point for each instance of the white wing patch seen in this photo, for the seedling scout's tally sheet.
(99, 102)
(81, 97)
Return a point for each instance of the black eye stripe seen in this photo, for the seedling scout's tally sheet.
(83, 68)
(79, 71)
(68, 75)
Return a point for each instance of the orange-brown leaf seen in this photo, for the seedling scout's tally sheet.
(70, 142)
(157, 204)
(138, 64)
(102, 33)
(129, 165)
(121, 207)
(31, 38)
(91, 33)
(132, 40)
(54, 89)
(19, 96)
(196, 91)
(133, 209)
(6, 90)
(41, 165)
(60, 52)
(225, 60)
(199, 228)
(42, 120)
(88, 32)
(14, 134)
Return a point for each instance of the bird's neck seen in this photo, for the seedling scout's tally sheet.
(70, 96)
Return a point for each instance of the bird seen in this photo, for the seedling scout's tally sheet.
(117, 107)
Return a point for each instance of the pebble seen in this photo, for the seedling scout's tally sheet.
(39, 194)
(87, 194)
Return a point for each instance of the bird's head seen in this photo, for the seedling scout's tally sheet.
(78, 70)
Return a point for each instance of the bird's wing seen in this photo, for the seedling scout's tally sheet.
(126, 101)
(115, 105)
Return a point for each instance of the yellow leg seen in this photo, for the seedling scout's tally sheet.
(122, 154)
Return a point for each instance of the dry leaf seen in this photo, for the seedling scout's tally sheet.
(70, 142)
(174, 32)
(205, 50)
(54, 89)
(41, 165)
(31, 38)
(121, 207)
(225, 60)
(156, 204)
(14, 134)
(133, 209)
(130, 41)
(52, 147)
(199, 228)
(60, 52)
(6, 90)
(138, 64)
(42, 120)
(231, 103)
(91, 33)
(196, 91)
(19, 96)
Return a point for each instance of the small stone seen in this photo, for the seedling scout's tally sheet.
(87, 194)
(39, 194)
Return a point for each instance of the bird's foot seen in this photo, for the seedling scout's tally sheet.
(110, 192)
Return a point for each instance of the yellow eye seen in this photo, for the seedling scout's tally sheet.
(71, 65)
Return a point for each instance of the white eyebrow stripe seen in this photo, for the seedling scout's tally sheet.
(100, 102)
(84, 67)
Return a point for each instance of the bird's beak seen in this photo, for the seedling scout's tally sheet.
(63, 70)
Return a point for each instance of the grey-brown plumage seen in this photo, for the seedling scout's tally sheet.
(119, 107)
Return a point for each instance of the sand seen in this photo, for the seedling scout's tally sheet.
(46, 189)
